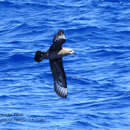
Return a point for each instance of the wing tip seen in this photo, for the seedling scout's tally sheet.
(59, 37)
(61, 95)
(61, 31)
(61, 91)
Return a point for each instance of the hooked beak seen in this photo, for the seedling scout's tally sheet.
(72, 52)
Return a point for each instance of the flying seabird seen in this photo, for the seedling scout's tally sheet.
(55, 54)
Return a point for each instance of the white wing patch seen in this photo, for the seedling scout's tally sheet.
(61, 91)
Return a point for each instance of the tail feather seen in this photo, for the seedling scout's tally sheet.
(39, 56)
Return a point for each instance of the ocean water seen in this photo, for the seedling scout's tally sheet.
(98, 76)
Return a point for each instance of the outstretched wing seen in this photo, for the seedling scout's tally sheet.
(58, 40)
(60, 85)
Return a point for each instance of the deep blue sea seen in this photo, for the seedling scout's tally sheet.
(98, 75)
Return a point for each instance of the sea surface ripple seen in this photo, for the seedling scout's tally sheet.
(98, 76)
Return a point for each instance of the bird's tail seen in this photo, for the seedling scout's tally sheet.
(39, 56)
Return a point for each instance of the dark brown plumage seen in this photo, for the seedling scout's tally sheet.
(55, 54)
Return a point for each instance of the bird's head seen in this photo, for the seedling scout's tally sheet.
(68, 51)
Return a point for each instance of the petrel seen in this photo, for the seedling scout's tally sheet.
(55, 54)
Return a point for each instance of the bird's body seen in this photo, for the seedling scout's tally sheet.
(55, 54)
